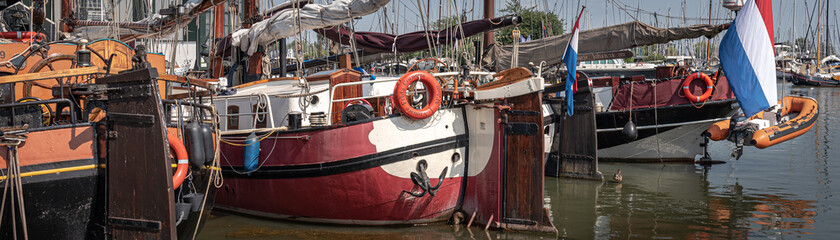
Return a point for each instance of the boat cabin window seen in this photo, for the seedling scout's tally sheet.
(233, 118)
(259, 113)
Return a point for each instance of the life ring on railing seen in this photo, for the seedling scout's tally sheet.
(177, 146)
(23, 36)
(432, 87)
(706, 94)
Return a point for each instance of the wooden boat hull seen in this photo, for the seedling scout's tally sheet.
(352, 174)
(92, 180)
(360, 173)
(60, 185)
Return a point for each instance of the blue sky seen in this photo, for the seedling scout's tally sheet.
(607, 12)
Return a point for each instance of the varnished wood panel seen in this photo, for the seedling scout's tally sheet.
(139, 173)
(523, 162)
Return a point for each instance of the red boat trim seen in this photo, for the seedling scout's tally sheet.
(352, 164)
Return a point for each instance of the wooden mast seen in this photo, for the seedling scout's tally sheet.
(218, 32)
(819, 30)
(709, 41)
(66, 13)
(251, 10)
(489, 12)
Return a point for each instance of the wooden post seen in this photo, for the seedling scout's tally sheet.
(66, 13)
(344, 61)
(218, 31)
(489, 12)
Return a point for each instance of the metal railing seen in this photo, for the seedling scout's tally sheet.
(268, 113)
(332, 91)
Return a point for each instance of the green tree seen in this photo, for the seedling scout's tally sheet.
(532, 24)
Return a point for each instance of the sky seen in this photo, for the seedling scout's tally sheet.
(601, 13)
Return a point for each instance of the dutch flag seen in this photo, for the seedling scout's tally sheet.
(570, 59)
(746, 56)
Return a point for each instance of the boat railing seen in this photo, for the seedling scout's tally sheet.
(334, 100)
(262, 100)
(204, 111)
(40, 102)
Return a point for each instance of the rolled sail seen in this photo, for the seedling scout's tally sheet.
(312, 16)
(375, 42)
(617, 37)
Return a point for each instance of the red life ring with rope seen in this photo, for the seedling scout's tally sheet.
(432, 86)
(706, 94)
(183, 160)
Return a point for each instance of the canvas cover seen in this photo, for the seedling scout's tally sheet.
(282, 24)
(616, 37)
(375, 42)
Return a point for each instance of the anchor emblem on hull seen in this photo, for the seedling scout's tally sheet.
(422, 180)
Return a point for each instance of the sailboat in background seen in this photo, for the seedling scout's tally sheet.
(746, 56)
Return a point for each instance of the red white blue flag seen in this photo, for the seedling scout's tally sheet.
(570, 58)
(747, 58)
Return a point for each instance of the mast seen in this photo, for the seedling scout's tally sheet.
(489, 12)
(826, 28)
(709, 41)
(218, 32)
(819, 30)
(66, 13)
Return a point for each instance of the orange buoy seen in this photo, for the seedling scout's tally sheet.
(432, 87)
(706, 94)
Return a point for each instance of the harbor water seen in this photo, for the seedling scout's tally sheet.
(783, 192)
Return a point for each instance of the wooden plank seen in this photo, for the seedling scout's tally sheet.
(523, 164)
(574, 150)
(204, 83)
(507, 77)
(264, 81)
(140, 195)
(344, 92)
(51, 74)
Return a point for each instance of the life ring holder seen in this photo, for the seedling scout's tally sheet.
(432, 86)
(706, 94)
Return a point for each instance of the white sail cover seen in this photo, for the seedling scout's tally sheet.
(312, 16)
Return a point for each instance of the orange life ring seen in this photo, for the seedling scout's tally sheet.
(432, 86)
(23, 36)
(709, 86)
(183, 160)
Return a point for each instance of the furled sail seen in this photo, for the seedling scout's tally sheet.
(312, 16)
(375, 42)
(617, 37)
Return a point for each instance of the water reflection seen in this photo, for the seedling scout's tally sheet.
(672, 201)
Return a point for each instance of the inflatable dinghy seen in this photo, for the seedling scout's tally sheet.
(793, 117)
